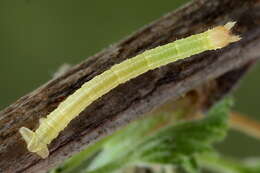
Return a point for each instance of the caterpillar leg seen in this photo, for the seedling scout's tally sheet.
(43, 152)
(33, 143)
(42, 120)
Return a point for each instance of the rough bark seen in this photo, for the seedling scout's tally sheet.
(217, 71)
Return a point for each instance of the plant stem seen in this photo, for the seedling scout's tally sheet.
(245, 124)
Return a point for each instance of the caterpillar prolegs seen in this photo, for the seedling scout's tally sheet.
(90, 91)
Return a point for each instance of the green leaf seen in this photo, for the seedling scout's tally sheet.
(81, 160)
(228, 165)
(176, 144)
(155, 140)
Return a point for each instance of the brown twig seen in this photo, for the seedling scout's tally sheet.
(245, 125)
(217, 71)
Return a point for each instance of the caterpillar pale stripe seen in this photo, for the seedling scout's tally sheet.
(90, 91)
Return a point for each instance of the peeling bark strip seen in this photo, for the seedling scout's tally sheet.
(218, 71)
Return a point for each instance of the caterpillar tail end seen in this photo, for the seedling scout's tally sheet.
(222, 36)
(33, 144)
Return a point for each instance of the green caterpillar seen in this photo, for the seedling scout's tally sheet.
(90, 91)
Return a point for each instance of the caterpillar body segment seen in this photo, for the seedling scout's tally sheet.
(57, 120)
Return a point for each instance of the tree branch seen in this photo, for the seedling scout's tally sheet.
(217, 71)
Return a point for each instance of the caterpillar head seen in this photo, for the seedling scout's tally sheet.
(33, 143)
(221, 36)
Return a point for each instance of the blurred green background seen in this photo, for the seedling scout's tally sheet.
(38, 36)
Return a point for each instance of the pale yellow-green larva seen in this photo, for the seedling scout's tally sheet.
(90, 91)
